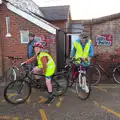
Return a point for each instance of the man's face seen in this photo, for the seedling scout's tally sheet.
(37, 50)
(83, 40)
(31, 38)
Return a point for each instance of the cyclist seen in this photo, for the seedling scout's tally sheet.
(83, 48)
(46, 64)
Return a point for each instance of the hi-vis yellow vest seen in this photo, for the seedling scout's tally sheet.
(50, 65)
(80, 53)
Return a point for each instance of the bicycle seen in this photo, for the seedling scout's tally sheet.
(24, 86)
(114, 73)
(12, 72)
(77, 77)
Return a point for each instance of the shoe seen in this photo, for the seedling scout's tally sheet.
(50, 99)
(86, 89)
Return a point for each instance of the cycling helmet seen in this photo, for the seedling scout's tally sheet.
(84, 35)
(38, 44)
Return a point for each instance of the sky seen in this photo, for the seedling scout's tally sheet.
(85, 9)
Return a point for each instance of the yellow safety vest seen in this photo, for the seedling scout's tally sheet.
(50, 65)
(80, 53)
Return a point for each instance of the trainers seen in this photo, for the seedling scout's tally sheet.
(86, 88)
(49, 100)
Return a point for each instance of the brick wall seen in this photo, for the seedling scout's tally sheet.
(60, 24)
(109, 27)
(12, 45)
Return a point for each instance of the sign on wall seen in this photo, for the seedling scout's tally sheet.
(104, 39)
(52, 38)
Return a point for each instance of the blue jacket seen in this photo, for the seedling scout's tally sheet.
(30, 47)
(91, 51)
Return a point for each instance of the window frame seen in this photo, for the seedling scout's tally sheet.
(21, 38)
(7, 19)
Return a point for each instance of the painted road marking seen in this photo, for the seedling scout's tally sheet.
(60, 99)
(100, 88)
(11, 95)
(107, 109)
(28, 100)
(43, 114)
(108, 86)
(5, 117)
(15, 118)
(8, 118)
(3, 100)
(42, 99)
(73, 91)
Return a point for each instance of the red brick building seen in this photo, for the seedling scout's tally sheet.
(18, 18)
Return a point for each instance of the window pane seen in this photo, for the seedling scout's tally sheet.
(24, 36)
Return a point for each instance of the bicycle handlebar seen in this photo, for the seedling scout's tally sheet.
(74, 60)
(14, 58)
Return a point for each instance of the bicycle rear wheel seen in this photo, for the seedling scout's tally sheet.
(82, 94)
(17, 92)
(59, 84)
(10, 75)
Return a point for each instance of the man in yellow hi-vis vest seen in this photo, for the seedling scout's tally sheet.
(46, 64)
(83, 48)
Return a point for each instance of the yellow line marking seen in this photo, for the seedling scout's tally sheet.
(11, 95)
(42, 99)
(100, 89)
(59, 102)
(111, 111)
(5, 117)
(15, 118)
(73, 91)
(28, 100)
(96, 103)
(3, 100)
(107, 109)
(43, 115)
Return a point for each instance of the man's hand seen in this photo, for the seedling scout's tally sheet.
(22, 64)
(89, 58)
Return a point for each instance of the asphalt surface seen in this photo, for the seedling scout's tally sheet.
(103, 104)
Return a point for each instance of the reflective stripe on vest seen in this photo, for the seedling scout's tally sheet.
(80, 52)
(50, 65)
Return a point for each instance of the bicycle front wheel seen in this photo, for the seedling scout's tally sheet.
(17, 92)
(116, 74)
(83, 87)
(59, 84)
(10, 75)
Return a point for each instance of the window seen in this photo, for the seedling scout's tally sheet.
(8, 27)
(0, 1)
(24, 36)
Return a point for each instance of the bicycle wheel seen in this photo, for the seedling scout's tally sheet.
(70, 79)
(17, 92)
(60, 84)
(116, 74)
(82, 94)
(96, 75)
(10, 75)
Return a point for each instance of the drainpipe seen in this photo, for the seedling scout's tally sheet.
(1, 55)
(91, 29)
